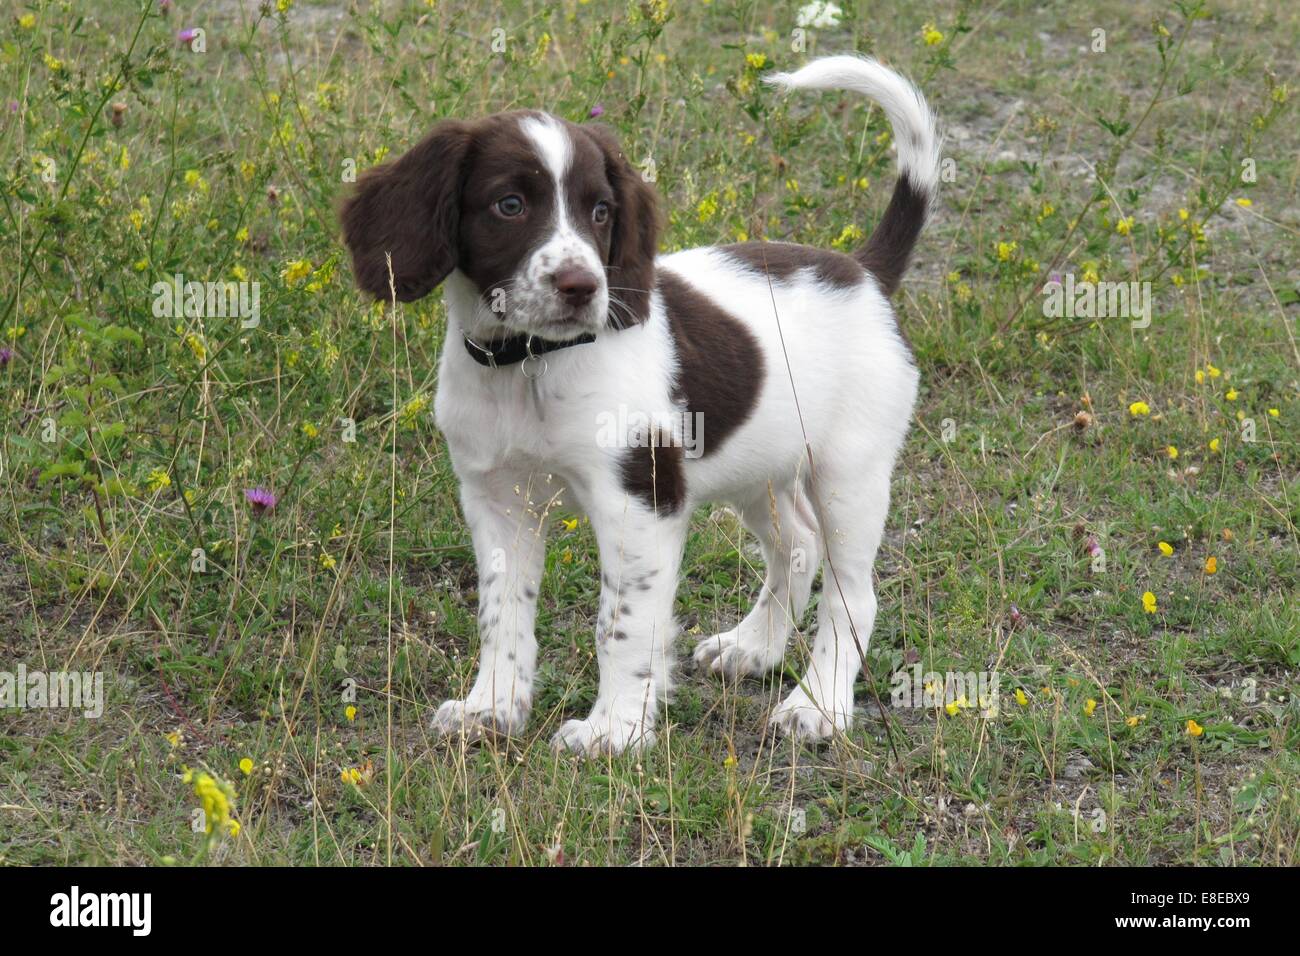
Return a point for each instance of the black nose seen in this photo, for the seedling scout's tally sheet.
(576, 284)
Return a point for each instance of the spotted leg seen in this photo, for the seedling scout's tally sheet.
(507, 528)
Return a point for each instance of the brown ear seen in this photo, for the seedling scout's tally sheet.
(636, 230)
(408, 208)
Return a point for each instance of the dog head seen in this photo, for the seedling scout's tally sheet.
(547, 219)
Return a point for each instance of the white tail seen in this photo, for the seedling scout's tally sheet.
(915, 128)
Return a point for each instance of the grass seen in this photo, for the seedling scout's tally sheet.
(128, 440)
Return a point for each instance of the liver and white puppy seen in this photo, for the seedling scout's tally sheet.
(582, 366)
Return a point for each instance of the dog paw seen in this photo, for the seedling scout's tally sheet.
(730, 655)
(473, 721)
(800, 717)
(605, 736)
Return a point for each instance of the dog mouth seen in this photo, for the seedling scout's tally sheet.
(559, 321)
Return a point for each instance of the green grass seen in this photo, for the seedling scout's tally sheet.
(232, 162)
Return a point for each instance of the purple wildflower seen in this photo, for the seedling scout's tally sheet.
(186, 37)
(6, 356)
(597, 110)
(261, 499)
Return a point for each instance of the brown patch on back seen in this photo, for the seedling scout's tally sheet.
(720, 366)
(720, 376)
(781, 260)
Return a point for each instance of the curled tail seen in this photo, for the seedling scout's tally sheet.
(886, 253)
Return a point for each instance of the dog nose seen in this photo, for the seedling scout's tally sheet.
(576, 284)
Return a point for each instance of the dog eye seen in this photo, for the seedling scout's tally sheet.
(600, 213)
(510, 206)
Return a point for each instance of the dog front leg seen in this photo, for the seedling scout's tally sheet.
(640, 553)
(507, 526)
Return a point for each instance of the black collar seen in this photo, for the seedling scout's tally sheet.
(515, 349)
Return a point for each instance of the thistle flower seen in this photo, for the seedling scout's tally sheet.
(187, 36)
(261, 499)
(596, 111)
(6, 356)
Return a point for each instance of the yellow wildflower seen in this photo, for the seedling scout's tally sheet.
(1089, 707)
(350, 712)
(1172, 452)
(158, 480)
(1139, 408)
(1166, 548)
(295, 272)
(1194, 729)
(1211, 565)
(1148, 602)
(246, 766)
(931, 35)
(216, 796)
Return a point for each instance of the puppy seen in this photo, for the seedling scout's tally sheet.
(583, 367)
